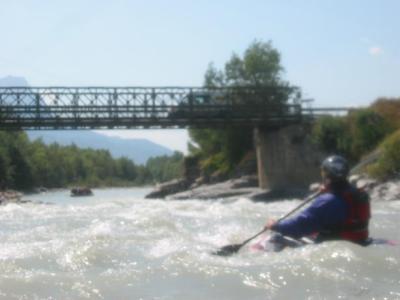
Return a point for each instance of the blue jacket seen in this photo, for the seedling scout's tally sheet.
(326, 211)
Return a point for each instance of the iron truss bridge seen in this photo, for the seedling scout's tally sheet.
(146, 107)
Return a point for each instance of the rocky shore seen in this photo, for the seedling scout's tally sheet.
(11, 196)
(247, 187)
(387, 191)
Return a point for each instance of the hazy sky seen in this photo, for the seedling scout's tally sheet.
(340, 52)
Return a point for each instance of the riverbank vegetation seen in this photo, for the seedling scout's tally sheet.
(362, 131)
(25, 165)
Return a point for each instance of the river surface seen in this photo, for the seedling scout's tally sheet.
(118, 245)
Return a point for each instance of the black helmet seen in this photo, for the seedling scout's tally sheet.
(335, 167)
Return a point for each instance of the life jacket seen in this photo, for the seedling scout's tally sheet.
(355, 226)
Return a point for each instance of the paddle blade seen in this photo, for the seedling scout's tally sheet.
(228, 250)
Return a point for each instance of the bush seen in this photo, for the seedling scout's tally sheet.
(389, 109)
(368, 129)
(388, 165)
(352, 136)
(215, 163)
(332, 135)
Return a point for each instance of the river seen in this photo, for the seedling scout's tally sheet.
(118, 245)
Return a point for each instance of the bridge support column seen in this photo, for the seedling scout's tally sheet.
(286, 158)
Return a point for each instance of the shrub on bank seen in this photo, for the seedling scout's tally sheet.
(389, 109)
(388, 165)
(367, 130)
(331, 134)
(352, 136)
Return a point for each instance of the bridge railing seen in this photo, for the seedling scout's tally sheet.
(318, 112)
(125, 107)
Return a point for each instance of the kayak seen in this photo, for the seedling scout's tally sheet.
(277, 242)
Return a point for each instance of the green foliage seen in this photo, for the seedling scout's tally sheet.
(260, 66)
(388, 164)
(221, 149)
(165, 168)
(213, 77)
(24, 165)
(352, 136)
(368, 128)
(332, 135)
(5, 167)
(389, 109)
(17, 172)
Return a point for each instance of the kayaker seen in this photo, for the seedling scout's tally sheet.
(340, 212)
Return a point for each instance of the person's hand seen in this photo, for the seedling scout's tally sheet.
(323, 188)
(315, 187)
(318, 188)
(270, 224)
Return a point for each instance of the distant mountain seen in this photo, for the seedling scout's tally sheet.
(138, 150)
(13, 81)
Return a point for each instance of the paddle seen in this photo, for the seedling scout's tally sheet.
(231, 249)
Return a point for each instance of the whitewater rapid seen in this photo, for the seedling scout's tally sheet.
(118, 245)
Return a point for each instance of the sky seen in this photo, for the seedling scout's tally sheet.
(339, 52)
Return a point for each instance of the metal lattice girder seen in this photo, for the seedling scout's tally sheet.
(129, 107)
(66, 96)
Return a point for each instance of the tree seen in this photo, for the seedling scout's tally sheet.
(126, 169)
(213, 77)
(5, 170)
(368, 129)
(165, 168)
(259, 67)
(332, 135)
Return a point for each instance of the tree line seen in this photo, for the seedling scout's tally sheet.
(26, 164)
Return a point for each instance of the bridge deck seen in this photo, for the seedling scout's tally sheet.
(141, 107)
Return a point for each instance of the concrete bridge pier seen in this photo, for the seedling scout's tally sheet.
(286, 158)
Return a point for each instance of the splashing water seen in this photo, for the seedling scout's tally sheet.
(118, 245)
